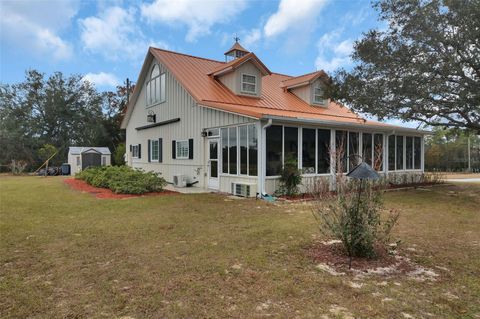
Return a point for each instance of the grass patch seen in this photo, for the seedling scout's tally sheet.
(68, 254)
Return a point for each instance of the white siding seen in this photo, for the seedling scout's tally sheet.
(233, 80)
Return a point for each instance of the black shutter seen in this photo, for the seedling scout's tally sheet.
(149, 150)
(139, 150)
(174, 153)
(160, 150)
(131, 147)
(190, 148)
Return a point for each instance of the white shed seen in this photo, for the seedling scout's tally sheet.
(82, 157)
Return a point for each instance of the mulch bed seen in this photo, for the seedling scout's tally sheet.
(82, 186)
(335, 256)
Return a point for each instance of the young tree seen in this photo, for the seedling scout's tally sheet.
(425, 66)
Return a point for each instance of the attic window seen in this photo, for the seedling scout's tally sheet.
(155, 87)
(249, 83)
(318, 95)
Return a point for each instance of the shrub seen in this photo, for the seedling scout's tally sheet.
(353, 215)
(290, 177)
(119, 155)
(122, 179)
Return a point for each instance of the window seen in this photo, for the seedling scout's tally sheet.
(417, 152)
(182, 150)
(318, 95)
(341, 139)
(78, 160)
(243, 136)
(399, 153)
(308, 151)
(353, 150)
(378, 152)
(249, 83)
(367, 148)
(104, 161)
(274, 150)
(391, 152)
(154, 150)
(135, 151)
(224, 133)
(232, 150)
(290, 147)
(323, 151)
(409, 152)
(155, 87)
(252, 150)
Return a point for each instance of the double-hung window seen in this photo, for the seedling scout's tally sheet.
(155, 87)
(249, 84)
(182, 149)
(154, 150)
(135, 152)
(318, 95)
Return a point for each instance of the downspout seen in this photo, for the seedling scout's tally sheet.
(263, 157)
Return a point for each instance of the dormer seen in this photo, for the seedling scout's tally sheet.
(309, 87)
(243, 74)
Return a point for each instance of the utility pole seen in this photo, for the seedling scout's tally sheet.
(468, 152)
(128, 90)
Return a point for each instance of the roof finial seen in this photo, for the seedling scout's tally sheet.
(236, 38)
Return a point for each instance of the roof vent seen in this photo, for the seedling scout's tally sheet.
(236, 51)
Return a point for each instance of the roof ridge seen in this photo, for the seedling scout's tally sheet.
(310, 73)
(188, 55)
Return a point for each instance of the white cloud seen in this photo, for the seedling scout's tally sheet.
(36, 25)
(333, 52)
(115, 34)
(293, 14)
(252, 38)
(198, 16)
(102, 79)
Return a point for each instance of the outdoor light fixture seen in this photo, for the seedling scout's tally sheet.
(204, 133)
(151, 117)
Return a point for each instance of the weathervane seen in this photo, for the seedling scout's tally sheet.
(236, 38)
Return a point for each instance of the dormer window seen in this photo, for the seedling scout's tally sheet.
(249, 84)
(155, 87)
(319, 95)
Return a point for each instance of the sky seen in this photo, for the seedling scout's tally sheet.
(106, 41)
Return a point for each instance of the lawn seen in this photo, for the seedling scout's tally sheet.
(69, 254)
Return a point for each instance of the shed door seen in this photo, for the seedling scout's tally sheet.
(91, 159)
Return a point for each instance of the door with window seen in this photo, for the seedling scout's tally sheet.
(213, 164)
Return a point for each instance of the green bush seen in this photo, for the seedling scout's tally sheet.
(122, 179)
(290, 177)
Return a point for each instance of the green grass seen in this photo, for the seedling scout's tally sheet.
(68, 254)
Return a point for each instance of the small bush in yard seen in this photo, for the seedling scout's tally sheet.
(290, 177)
(357, 219)
(122, 179)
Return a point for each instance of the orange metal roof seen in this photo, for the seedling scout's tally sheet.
(237, 62)
(193, 73)
(305, 78)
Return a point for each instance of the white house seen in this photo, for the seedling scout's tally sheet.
(80, 158)
(227, 124)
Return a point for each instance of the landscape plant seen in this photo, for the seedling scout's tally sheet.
(290, 177)
(123, 179)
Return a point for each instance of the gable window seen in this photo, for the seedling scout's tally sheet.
(319, 95)
(154, 150)
(182, 150)
(249, 83)
(155, 87)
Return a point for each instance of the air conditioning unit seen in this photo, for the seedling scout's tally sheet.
(244, 189)
(180, 180)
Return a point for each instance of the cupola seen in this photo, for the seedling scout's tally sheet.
(236, 51)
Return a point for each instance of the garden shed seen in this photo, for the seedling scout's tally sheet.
(80, 158)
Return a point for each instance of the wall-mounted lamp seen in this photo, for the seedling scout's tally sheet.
(204, 133)
(151, 117)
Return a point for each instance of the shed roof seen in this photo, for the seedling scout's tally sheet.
(77, 150)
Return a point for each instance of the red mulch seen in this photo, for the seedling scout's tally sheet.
(82, 186)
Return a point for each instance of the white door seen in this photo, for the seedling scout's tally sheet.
(213, 164)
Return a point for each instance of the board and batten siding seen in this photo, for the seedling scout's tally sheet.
(193, 119)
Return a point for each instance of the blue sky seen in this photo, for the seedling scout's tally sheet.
(107, 40)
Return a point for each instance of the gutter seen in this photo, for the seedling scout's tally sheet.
(263, 153)
(341, 124)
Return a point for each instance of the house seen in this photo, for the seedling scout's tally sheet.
(230, 126)
(80, 158)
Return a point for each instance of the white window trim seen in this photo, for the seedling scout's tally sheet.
(135, 147)
(162, 78)
(242, 82)
(176, 149)
(238, 152)
(151, 151)
(323, 99)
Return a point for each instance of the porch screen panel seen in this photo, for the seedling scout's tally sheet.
(273, 150)
(353, 149)
(417, 152)
(232, 150)
(224, 134)
(399, 153)
(242, 131)
(378, 152)
(291, 144)
(252, 150)
(409, 152)
(341, 140)
(391, 153)
(367, 148)
(308, 151)
(323, 151)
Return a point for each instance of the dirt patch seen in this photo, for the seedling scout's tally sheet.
(103, 193)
